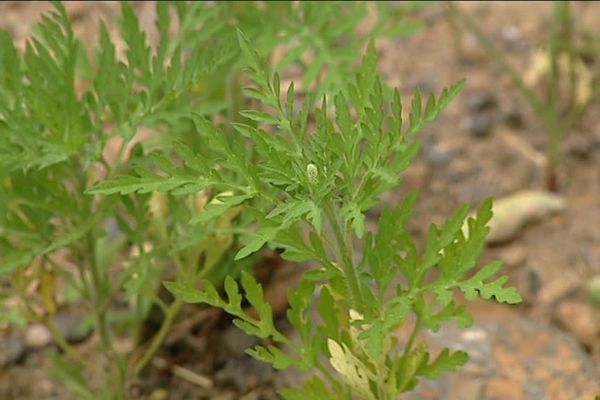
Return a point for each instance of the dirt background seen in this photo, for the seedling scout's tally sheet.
(487, 143)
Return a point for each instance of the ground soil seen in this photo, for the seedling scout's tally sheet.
(546, 348)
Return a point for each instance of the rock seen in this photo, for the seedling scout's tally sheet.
(513, 257)
(578, 145)
(471, 51)
(513, 118)
(480, 101)
(579, 319)
(243, 373)
(501, 388)
(237, 341)
(529, 284)
(479, 125)
(12, 349)
(559, 288)
(513, 212)
(513, 39)
(37, 336)
(437, 157)
(458, 170)
(70, 324)
(511, 358)
(424, 84)
(159, 394)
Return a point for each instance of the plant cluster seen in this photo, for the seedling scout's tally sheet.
(229, 173)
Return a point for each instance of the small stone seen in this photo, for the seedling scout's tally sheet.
(461, 388)
(512, 213)
(503, 389)
(513, 257)
(478, 125)
(481, 101)
(513, 39)
(471, 50)
(12, 349)
(579, 319)
(437, 157)
(529, 284)
(578, 146)
(237, 341)
(37, 336)
(513, 118)
(70, 324)
(243, 373)
(159, 394)
(424, 84)
(459, 170)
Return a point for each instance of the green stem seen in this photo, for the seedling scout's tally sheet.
(344, 255)
(412, 337)
(547, 112)
(60, 340)
(158, 338)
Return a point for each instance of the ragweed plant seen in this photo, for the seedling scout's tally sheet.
(60, 111)
(70, 118)
(307, 179)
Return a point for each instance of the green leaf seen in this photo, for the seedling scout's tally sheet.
(259, 116)
(273, 356)
(185, 292)
(357, 219)
(445, 362)
(353, 371)
(219, 207)
(478, 284)
(257, 241)
(313, 389)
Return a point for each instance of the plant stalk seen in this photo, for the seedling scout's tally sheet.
(344, 255)
(158, 339)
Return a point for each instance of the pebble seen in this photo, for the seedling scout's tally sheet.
(513, 118)
(578, 145)
(37, 336)
(12, 349)
(459, 170)
(579, 318)
(514, 358)
(237, 341)
(243, 373)
(529, 284)
(480, 101)
(479, 125)
(437, 157)
(424, 84)
(513, 257)
(68, 323)
(513, 39)
(513, 212)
